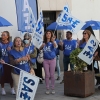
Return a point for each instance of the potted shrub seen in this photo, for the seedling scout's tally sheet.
(78, 82)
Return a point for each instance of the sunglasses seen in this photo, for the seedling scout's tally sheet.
(84, 33)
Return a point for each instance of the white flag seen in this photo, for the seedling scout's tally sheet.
(27, 86)
(75, 23)
(66, 9)
(37, 39)
(87, 53)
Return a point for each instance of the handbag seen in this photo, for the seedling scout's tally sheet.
(97, 58)
(40, 57)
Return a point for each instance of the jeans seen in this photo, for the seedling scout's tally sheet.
(58, 65)
(66, 61)
(49, 68)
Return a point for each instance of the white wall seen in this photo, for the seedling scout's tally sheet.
(8, 11)
(86, 10)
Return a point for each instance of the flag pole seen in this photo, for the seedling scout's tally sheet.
(19, 69)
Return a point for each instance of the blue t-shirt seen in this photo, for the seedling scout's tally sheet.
(24, 65)
(49, 51)
(29, 50)
(3, 47)
(82, 45)
(57, 49)
(69, 46)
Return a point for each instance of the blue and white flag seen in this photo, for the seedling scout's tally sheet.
(26, 14)
(66, 8)
(27, 86)
(67, 19)
(37, 39)
(88, 52)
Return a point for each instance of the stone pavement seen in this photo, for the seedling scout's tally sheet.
(59, 88)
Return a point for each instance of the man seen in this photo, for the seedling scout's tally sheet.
(67, 45)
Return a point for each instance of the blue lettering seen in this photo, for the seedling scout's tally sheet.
(87, 53)
(25, 96)
(64, 17)
(70, 19)
(66, 9)
(26, 80)
(90, 48)
(92, 42)
(26, 88)
(75, 23)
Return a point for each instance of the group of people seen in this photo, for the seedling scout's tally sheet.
(23, 54)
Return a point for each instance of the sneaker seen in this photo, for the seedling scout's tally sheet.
(58, 78)
(53, 92)
(47, 92)
(3, 91)
(13, 91)
(62, 82)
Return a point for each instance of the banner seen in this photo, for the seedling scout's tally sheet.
(26, 12)
(27, 86)
(75, 23)
(87, 53)
(37, 39)
(66, 9)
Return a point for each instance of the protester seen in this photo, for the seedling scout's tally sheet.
(19, 59)
(38, 71)
(49, 46)
(86, 35)
(67, 45)
(57, 58)
(31, 50)
(5, 46)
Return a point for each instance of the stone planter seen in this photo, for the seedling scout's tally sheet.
(79, 84)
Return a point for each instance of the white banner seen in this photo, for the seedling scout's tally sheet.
(87, 53)
(27, 86)
(66, 9)
(75, 23)
(37, 39)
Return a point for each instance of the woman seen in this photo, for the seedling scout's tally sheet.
(19, 59)
(31, 50)
(38, 71)
(86, 36)
(5, 46)
(49, 63)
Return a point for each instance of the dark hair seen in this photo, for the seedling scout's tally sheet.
(15, 40)
(69, 32)
(45, 39)
(8, 34)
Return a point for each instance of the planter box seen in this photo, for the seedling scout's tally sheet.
(79, 84)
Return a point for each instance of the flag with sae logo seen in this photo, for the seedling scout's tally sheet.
(27, 86)
(26, 14)
(37, 38)
(88, 51)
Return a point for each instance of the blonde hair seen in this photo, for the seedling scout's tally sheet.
(14, 47)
